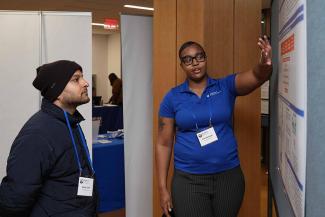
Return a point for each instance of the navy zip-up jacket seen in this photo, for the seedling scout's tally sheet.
(42, 169)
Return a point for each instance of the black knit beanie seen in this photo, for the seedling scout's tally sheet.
(52, 77)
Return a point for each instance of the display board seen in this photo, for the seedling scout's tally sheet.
(296, 107)
(288, 122)
(292, 102)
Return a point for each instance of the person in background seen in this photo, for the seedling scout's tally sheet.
(116, 83)
(49, 171)
(195, 119)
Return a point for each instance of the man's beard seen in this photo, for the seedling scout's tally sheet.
(78, 102)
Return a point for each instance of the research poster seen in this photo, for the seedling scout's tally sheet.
(292, 101)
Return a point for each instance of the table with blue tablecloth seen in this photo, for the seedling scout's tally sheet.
(108, 160)
(111, 117)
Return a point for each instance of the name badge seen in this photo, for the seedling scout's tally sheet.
(207, 136)
(85, 187)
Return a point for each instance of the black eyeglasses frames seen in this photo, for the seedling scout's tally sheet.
(188, 60)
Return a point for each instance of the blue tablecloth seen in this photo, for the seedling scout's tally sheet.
(111, 117)
(108, 160)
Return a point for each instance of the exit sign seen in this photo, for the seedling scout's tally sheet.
(111, 24)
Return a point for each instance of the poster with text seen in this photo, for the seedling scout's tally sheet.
(292, 101)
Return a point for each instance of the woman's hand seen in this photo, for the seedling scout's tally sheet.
(248, 81)
(266, 51)
(165, 201)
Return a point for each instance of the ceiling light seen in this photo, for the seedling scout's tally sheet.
(98, 24)
(106, 26)
(138, 7)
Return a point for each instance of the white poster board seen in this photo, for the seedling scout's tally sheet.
(292, 98)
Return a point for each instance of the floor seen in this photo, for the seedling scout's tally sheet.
(121, 212)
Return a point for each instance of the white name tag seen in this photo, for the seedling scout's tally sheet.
(207, 136)
(85, 187)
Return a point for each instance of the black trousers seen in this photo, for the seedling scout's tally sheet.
(211, 195)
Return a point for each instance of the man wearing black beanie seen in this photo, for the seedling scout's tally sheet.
(49, 170)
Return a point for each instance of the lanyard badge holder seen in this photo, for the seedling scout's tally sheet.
(206, 136)
(85, 185)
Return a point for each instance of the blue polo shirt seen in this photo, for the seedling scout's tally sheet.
(190, 111)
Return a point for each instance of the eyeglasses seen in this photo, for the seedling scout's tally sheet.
(188, 60)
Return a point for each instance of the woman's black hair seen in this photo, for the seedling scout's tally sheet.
(188, 44)
(112, 76)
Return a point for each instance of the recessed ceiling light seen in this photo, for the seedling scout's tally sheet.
(138, 7)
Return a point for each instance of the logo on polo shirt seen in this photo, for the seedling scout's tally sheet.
(214, 93)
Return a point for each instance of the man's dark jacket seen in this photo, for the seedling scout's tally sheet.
(42, 169)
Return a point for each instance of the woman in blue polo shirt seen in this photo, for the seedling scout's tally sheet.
(196, 118)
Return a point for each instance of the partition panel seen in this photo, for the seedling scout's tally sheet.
(19, 58)
(29, 39)
(136, 41)
(68, 35)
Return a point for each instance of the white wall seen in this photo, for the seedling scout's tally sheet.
(100, 57)
(114, 58)
(106, 60)
(114, 54)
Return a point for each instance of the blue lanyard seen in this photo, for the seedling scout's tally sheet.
(84, 143)
(86, 148)
(210, 112)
